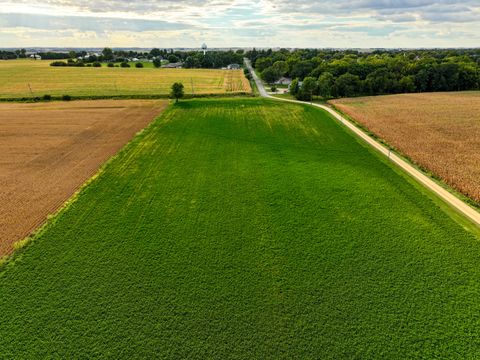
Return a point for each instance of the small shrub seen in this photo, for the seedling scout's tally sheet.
(125, 65)
(58, 63)
(139, 65)
(96, 64)
(110, 64)
(47, 97)
(88, 65)
(66, 98)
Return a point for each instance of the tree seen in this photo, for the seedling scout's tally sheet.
(139, 65)
(270, 75)
(325, 85)
(155, 52)
(294, 87)
(177, 91)
(280, 67)
(308, 89)
(302, 69)
(72, 54)
(107, 54)
(157, 62)
(347, 85)
(263, 63)
(189, 62)
(407, 84)
(172, 58)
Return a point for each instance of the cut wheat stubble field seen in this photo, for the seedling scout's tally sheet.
(50, 149)
(438, 131)
(28, 78)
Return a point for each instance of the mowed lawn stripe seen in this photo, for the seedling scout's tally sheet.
(245, 229)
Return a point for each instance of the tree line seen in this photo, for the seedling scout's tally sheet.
(10, 55)
(189, 59)
(345, 73)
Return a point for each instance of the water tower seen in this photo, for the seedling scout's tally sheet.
(204, 48)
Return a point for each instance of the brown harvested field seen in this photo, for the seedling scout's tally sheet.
(438, 131)
(48, 150)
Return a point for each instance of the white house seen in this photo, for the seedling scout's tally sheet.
(35, 57)
(233, 67)
(283, 81)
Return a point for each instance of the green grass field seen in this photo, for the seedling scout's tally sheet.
(29, 78)
(246, 229)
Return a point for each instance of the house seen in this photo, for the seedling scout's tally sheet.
(283, 81)
(35, 57)
(233, 67)
(176, 65)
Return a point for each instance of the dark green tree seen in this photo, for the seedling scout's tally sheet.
(294, 87)
(270, 75)
(308, 89)
(107, 54)
(177, 91)
(325, 85)
(155, 52)
(157, 62)
(172, 58)
(347, 85)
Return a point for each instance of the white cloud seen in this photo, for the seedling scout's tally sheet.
(291, 23)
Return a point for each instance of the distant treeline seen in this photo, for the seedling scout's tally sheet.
(190, 59)
(10, 55)
(335, 73)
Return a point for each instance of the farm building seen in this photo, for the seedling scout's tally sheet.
(176, 65)
(283, 81)
(233, 67)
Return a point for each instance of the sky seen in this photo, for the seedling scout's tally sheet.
(240, 23)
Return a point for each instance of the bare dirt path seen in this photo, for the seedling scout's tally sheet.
(442, 193)
(48, 150)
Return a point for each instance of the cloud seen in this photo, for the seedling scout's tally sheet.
(84, 23)
(291, 23)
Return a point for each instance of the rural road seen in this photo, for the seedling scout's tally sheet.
(424, 180)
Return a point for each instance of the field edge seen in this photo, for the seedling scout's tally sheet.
(424, 171)
(23, 244)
